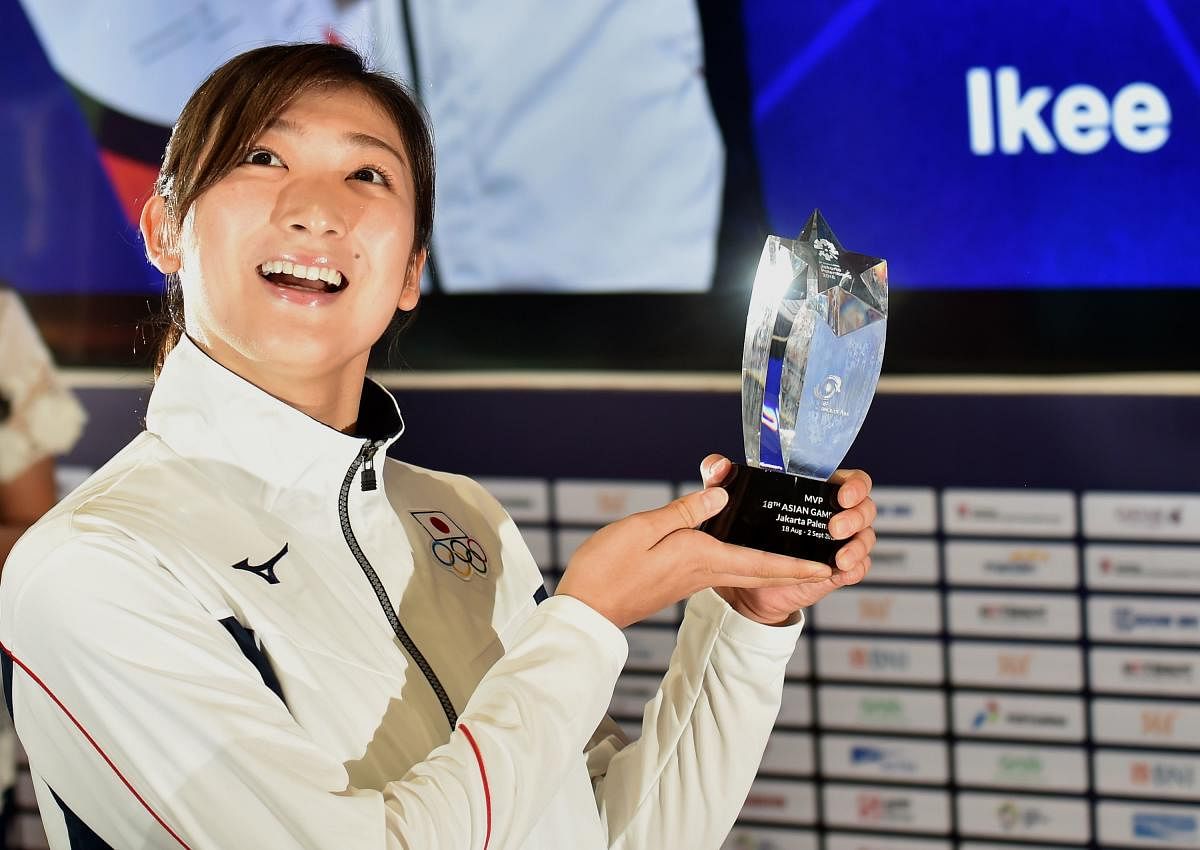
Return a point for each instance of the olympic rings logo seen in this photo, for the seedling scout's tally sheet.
(453, 548)
(462, 555)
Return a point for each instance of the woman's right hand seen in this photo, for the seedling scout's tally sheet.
(641, 564)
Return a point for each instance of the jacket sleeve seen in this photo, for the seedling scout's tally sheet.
(144, 719)
(683, 782)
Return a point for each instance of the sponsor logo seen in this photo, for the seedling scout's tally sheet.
(265, 570)
(899, 511)
(1020, 562)
(1128, 619)
(453, 548)
(1158, 671)
(1082, 118)
(1147, 774)
(877, 808)
(887, 760)
(880, 710)
(766, 800)
(1019, 767)
(992, 715)
(1013, 613)
(1014, 664)
(987, 513)
(1141, 516)
(1164, 827)
(612, 504)
(1013, 817)
(1160, 724)
(875, 610)
(877, 658)
(1132, 569)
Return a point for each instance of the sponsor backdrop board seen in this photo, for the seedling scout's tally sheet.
(1022, 669)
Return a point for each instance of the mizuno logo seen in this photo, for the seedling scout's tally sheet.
(265, 571)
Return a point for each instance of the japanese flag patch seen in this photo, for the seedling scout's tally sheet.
(453, 548)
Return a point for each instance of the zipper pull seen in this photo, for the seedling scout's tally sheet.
(368, 473)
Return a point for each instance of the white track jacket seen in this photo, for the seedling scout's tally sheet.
(249, 630)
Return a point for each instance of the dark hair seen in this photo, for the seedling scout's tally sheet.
(230, 109)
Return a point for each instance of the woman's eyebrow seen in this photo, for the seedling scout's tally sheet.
(366, 140)
(362, 140)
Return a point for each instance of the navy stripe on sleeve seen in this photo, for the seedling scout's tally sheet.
(79, 835)
(244, 638)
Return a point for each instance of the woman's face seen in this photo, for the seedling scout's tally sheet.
(324, 193)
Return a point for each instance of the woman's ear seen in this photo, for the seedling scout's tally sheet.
(411, 293)
(153, 224)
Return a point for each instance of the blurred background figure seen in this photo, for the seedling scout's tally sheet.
(39, 418)
(572, 82)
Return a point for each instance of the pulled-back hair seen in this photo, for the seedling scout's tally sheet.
(233, 107)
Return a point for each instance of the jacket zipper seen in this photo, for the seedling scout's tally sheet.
(366, 460)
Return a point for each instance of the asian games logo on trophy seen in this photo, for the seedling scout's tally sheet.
(827, 392)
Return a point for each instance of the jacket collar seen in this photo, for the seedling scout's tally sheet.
(205, 412)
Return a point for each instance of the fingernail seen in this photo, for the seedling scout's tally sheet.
(715, 498)
(715, 467)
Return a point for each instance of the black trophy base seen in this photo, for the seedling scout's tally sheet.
(778, 512)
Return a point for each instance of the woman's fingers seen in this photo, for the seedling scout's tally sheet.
(685, 512)
(713, 469)
(847, 523)
(854, 486)
(724, 564)
(845, 578)
(856, 550)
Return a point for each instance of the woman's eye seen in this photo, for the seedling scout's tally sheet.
(262, 156)
(371, 175)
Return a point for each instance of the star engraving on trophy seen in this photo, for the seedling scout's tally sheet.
(854, 284)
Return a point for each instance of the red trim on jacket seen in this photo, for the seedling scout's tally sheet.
(103, 754)
(487, 793)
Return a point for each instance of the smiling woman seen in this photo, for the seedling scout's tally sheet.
(292, 156)
(243, 632)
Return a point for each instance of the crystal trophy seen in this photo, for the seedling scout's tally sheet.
(810, 365)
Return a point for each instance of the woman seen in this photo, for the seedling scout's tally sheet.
(251, 629)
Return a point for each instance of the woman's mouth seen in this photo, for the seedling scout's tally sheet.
(306, 278)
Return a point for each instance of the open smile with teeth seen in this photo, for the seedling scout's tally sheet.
(296, 276)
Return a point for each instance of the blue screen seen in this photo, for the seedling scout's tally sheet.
(1023, 144)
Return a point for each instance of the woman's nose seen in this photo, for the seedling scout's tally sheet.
(312, 209)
